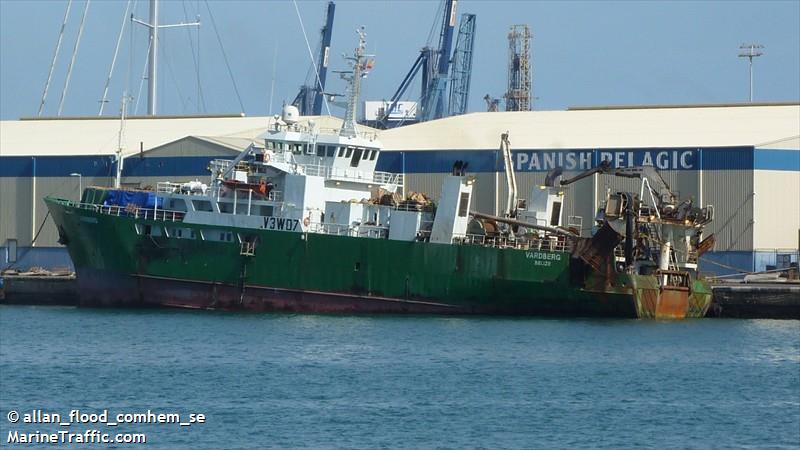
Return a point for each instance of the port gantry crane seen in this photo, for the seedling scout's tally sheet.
(436, 65)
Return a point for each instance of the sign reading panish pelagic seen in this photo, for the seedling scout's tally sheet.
(544, 160)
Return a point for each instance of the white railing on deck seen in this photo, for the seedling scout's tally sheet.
(351, 174)
(369, 231)
(554, 244)
(130, 211)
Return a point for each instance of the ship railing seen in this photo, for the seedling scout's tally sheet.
(134, 211)
(165, 187)
(343, 173)
(554, 244)
(368, 231)
(329, 228)
(219, 166)
(372, 231)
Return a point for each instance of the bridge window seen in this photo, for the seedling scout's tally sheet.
(177, 204)
(349, 152)
(341, 151)
(202, 205)
(331, 152)
(373, 155)
(321, 150)
(356, 157)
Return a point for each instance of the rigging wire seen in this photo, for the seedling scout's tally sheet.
(131, 45)
(74, 55)
(311, 55)
(172, 74)
(114, 59)
(195, 59)
(224, 55)
(437, 19)
(55, 57)
(141, 80)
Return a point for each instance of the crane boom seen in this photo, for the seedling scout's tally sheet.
(511, 176)
(461, 69)
(656, 183)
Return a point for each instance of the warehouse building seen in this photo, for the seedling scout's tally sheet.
(743, 159)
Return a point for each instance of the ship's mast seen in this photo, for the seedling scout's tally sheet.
(357, 62)
(152, 63)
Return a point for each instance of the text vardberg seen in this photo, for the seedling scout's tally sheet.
(544, 259)
(281, 223)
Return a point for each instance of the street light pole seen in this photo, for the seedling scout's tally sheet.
(80, 184)
(750, 51)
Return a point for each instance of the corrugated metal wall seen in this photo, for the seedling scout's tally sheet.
(731, 193)
(776, 209)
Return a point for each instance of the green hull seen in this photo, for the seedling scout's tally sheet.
(322, 273)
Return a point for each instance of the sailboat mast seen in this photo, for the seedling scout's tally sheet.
(152, 64)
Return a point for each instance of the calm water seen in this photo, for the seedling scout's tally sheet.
(289, 381)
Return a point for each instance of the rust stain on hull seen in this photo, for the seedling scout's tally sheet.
(673, 304)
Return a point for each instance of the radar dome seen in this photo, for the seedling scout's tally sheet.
(290, 114)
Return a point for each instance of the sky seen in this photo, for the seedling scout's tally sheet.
(583, 53)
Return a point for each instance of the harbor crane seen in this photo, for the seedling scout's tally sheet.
(435, 64)
(461, 74)
(309, 100)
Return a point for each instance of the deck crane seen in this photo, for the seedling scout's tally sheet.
(309, 100)
(435, 66)
(511, 175)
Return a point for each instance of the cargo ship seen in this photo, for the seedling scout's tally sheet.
(305, 223)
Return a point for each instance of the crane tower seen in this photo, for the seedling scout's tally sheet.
(518, 96)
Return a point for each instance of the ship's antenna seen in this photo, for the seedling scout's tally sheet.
(353, 77)
(121, 141)
(274, 68)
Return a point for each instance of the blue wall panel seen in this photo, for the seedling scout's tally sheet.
(726, 263)
(433, 161)
(768, 159)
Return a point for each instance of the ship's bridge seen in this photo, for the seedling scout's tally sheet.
(324, 152)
